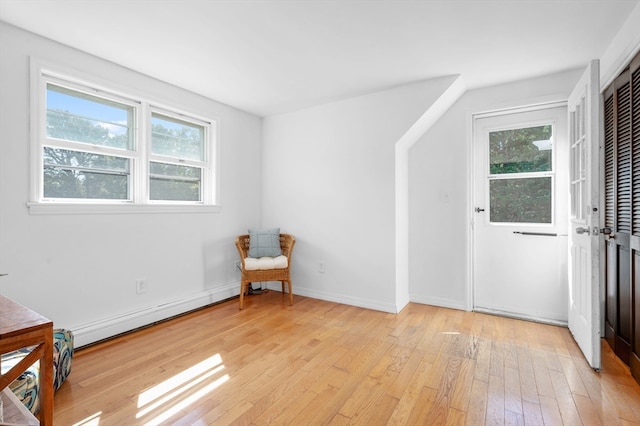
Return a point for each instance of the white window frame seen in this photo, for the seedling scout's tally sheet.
(202, 164)
(139, 154)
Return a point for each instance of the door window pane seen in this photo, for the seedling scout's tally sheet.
(521, 200)
(521, 150)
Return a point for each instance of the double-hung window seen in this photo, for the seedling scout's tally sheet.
(177, 163)
(89, 145)
(95, 147)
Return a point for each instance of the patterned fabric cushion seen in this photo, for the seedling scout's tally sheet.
(26, 386)
(62, 356)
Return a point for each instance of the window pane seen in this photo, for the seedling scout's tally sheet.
(174, 183)
(176, 138)
(520, 150)
(73, 174)
(75, 116)
(526, 200)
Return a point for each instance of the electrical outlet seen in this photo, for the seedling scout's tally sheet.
(238, 265)
(141, 286)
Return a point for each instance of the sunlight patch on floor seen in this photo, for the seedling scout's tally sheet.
(160, 397)
(92, 420)
(188, 401)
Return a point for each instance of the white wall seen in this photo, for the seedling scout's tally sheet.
(624, 46)
(329, 179)
(439, 166)
(439, 189)
(80, 270)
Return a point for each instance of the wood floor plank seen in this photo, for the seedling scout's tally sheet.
(510, 356)
(384, 406)
(456, 418)
(367, 399)
(410, 397)
(495, 401)
(442, 405)
(528, 386)
(421, 411)
(621, 397)
(550, 411)
(573, 377)
(512, 392)
(532, 413)
(406, 369)
(541, 372)
(339, 420)
(478, 403)
(483, 360)
(321, 363)
(586, 410)
(564, 398)
(370, 403)
(314, 406)
(496, 365)
(435, 374)
(360, 396)
(461, 393)
(511, 418)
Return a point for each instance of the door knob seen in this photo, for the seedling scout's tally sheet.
(581, 230)
(478, 210)
(608, 232)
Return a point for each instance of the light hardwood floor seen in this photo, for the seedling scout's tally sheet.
(318, 362)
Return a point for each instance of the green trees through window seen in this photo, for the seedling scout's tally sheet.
(175, 138)
(520, 182)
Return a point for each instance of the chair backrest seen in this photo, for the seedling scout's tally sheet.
(286, 244)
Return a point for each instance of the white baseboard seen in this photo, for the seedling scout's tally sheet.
(440, 302)
(360, 302)
(549, 319)
(86, 334)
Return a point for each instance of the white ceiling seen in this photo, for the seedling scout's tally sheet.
(268, 57)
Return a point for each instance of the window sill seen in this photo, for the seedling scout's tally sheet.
(78, 208)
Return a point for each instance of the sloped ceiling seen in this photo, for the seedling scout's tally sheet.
(269, 57)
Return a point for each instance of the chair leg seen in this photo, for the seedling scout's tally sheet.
(282, 282)
(242, 289)
(290, 293)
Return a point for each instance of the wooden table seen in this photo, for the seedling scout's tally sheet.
(21, 327)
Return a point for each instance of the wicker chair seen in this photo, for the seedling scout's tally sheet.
(287, 242)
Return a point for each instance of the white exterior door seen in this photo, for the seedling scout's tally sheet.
(584, 270)
(520, 213)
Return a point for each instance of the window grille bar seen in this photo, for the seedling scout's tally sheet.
(86, 169)
(178, 178)
(86, 117)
